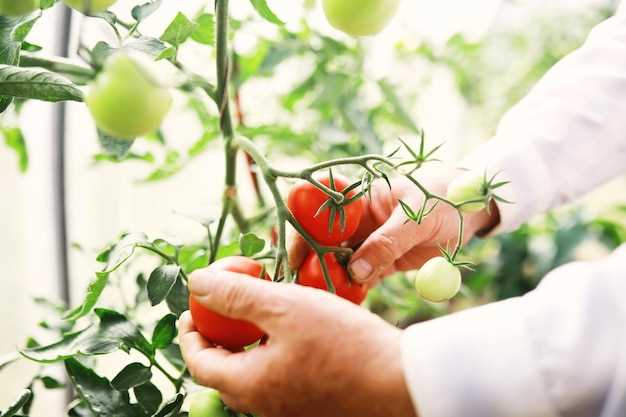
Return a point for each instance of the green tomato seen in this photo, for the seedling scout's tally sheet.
(90, 6)
(438, 280)
(16, 8)
(125, 102)
(207, 404)
(360, 17)
(467, 187)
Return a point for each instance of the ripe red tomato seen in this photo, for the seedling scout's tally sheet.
(311, 275)
(304, 202)
(222, 331)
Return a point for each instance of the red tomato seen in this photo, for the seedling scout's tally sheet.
(222, 331)
(304, 202)
(311, 275)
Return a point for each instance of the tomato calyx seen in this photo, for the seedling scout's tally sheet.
(420, 157)
(337, 208)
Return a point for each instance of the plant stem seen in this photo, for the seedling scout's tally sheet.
(77, 73)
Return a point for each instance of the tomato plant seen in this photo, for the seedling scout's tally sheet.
(15, 8)
(310, 274)
(220, 330)
(125, 102)
(438, 280)
(90, 6)
(207, 403)
(328, 223)
(360, 17)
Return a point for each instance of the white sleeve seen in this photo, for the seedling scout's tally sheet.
(568, 135)
(559, 351)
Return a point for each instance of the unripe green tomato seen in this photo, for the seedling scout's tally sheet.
(125, 101)
(467, 187)
(90, 6)
(207, 404)
(438, 280)
(16, 8)
(360, 17)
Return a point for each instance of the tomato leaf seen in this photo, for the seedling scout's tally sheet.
(172, 407)
(14, 139)
(51, 383)
(204, 31)
(97, 393)
(178, 298)
(266, 13)
(251, 244)
(142, 11)
(113, 332)
(37, 84)
(164, 332)
(161, 281)
(94, 290)
(132, 375)
(18, 404)
(149, 397)
(178, 31)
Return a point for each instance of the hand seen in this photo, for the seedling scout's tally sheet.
(388, 243)
(325, 356)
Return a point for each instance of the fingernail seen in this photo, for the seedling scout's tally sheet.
(360, 270)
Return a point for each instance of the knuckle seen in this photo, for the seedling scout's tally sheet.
(388, 247)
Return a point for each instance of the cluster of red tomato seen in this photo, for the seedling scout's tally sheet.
(305, 201)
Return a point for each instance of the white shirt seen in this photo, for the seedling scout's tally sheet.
(559, 351)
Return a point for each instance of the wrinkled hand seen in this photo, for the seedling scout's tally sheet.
(325, 356)
(388, 243)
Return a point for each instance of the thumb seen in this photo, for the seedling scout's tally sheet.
(384, 247)
(241, 296)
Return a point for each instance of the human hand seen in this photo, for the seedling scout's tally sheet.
(387, 243)
(324, 357)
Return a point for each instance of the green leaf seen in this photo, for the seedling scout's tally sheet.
(151, 46)
(251, 244)
(172, 407)
(178, 298)
(193, 257)
(18, 404)
(97, 393)
(94, 291)
(164, 332)
(101, 52)
(51, 383)
(132, 375)
(80, 409)
(178, 31)
(266, 13)
(161, 281)
(124, 249)
(37, 84)
(149, 397)
(174, 356)
(114, 147)
(114, 332)
(204, 31)
(14, 139)
(142, 11)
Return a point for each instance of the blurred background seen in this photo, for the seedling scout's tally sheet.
(306, 92)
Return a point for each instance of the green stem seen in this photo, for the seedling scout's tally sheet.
(77, 73)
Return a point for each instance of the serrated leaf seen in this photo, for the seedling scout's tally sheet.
(92, 295)
(251, 244)
(97, 393)
(37, 84)
(112, 333)
(143, 11)
(161, 281)
(178, 31)
(164, 332)
(149, 397)
(132, 375)
(266, 13)
(204, 31)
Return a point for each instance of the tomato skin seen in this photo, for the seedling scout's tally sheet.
(469, 186)
(360, 17)
(304, 202)
(90, 6)
(222, 331)
(16, 8)
(311, 275)
(438, 280)
(206, 404)
(124, 102)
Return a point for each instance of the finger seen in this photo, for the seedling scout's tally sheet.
(386, 245)
(185, 323)
(298, 251)
(240, 296)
